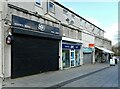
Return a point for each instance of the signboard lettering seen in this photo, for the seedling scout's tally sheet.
(37, 26)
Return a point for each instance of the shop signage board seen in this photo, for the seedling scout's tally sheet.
(70, 46)
(34, 25)
(91, 45)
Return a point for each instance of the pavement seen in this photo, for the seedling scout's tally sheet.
(53, 78)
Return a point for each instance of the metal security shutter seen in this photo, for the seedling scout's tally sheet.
(87, 58)
(32, 55)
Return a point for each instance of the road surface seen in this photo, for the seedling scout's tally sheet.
(104, 78)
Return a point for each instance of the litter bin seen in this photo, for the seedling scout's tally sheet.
(112, 62)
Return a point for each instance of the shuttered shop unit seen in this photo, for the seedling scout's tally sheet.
(35, 47)
(32, 55)
(87, 58)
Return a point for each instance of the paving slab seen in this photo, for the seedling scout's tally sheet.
(51, 78)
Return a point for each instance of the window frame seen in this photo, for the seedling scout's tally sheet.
(38, 3)
(82, 22)
(65, 12)
(73, 16)
(51, 10)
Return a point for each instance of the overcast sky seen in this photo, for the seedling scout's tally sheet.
(102, 14)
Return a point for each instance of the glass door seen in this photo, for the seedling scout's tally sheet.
(77, 57)
(65, 59)
(72, 58)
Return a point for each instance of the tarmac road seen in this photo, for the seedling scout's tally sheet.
(104, 78)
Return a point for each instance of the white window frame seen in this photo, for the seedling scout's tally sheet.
(51, 10)
(38, 2)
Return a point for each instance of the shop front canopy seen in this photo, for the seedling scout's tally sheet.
(105, 50)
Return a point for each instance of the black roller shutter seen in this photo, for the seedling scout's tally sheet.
(32, 55)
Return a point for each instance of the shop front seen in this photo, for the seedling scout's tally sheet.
(70, 54)
(35, 47)
(102, 54)
(87, 55)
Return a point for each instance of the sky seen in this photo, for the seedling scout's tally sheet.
(103, 14)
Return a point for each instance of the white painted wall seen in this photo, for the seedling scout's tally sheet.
(0, 47)
(1, 56)
(60, 54)
(98, 42)
(7, 60)
(81, 55)
(87, 39)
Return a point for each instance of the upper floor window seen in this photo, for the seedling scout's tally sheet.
(65, 12)
(51, 7)
(87, 25)
(73, 16)
(82, 22)
(93, 29)
(96, 31)
(38, 2)
(91, 26)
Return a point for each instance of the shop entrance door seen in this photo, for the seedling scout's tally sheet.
(77, 57)
(65, 59)
(72, 57)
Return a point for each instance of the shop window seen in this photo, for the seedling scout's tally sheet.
(51, 7)
(38, 2)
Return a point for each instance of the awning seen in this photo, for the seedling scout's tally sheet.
(105, 50)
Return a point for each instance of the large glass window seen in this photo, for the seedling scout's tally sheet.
(51, 7)
(66, 58)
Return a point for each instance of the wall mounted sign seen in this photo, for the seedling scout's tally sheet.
(34, 25)
(41, 27)
(70, 46)
(91, 45)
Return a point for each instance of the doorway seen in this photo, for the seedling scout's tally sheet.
(77, 57)
(65, 58)
(72, 57)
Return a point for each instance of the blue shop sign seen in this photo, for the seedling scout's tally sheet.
(34, 25)
(70, 46)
